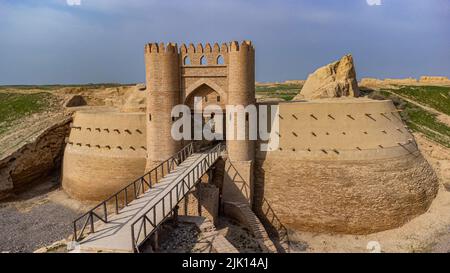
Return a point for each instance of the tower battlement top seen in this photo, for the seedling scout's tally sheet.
(152, 48)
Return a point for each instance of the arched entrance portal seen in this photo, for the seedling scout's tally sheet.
(207, 96)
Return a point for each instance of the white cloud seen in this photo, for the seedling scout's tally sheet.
(373, 2)
(73, 2)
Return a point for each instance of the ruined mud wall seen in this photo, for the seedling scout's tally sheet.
(34, 160)
(424, 80)
(347, 166)
(105, 151)
(434, 80)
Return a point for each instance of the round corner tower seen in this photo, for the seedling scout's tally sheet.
(163, 87)
(241, 91)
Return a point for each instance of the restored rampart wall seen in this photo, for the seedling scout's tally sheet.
(346, 129)
(344, 166)
(105, 151)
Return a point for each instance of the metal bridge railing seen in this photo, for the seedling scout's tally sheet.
(145, 226)
(130, 192)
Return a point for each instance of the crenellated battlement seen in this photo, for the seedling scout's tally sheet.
(208, 54)
(199, 48)
(245, 45)
(203, 49)
(161, 48)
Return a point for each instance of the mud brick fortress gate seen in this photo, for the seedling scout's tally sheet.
(219, 75)
(342, 165)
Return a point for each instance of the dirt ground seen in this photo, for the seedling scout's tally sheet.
(429, 232)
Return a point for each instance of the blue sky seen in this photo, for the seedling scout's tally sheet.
(49, 41)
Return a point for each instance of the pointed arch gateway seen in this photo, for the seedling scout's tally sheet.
(207, 87)
(210, 94)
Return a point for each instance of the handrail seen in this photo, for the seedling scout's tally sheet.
(185, 185)
(137, 187)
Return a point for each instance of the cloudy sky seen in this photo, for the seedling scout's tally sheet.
(59, 41)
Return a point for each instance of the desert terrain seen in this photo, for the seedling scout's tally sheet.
(36, 212)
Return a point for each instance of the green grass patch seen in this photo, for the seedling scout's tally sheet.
(59, 86)
(437, 97)
(279, 87)
(418, 119)
(287, 97)
(284, 91)
(14, 106)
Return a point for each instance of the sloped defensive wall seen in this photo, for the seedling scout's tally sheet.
(341, 166)
(105, 152)
(345, 166)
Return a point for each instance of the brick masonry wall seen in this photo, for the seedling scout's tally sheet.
(207, 196)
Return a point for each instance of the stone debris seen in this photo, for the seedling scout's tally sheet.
(59, 246)
(195, 234)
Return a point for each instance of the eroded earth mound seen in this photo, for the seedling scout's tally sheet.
(337, 79)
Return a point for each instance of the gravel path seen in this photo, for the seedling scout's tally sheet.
(28, 231)
(38, 217)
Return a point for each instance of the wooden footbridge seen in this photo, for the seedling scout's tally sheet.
(123, 222)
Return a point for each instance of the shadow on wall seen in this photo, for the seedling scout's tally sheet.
(201, 201)
(241, 192)
(236, 185)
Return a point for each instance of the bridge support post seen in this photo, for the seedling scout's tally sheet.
(211, 174)
(175, 215)
(156, 240)
(199, 198)
(186, 204)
